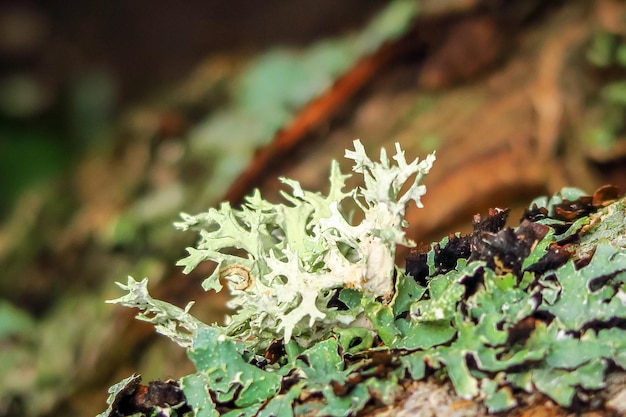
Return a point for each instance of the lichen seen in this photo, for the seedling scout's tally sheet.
(295, 256)
(325, 323)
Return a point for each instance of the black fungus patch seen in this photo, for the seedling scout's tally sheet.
(556, 256)
(455, 249)
(149, 400)
(534, 214)
(493, 223)
(417, 265)
(504, 249)
(275, 351)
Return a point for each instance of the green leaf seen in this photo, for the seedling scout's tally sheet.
(351, 298)
(293, 350)
(415, 364)
(577, 303)
(522, 380)
(309, 408)
(219, 359)
(465, 385)
(323, 363)
(196, 389)
(615, 338)
(587, 349)
(502, 298)
(574, 228)
(384, 390)
(343, 406)
(485, 342)
(445, 293)
(324, 367)
(407, 292)
(281, 405)
(249, 411)
(354, 339)
(417, 335)
(566, 193)
(560, 385)
(382, 318)
(497, 399)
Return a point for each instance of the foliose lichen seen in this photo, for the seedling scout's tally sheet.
(326, 324)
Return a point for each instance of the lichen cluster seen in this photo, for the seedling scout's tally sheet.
(293, 258)
(326, 324)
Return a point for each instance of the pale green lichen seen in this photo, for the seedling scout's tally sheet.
(169, 320)
(294, 256)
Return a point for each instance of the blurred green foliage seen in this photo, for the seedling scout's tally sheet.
(27, 157)
(605, 128)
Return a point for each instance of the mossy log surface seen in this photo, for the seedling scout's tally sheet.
(519, 125)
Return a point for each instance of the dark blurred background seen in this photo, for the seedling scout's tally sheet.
(68, 68)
